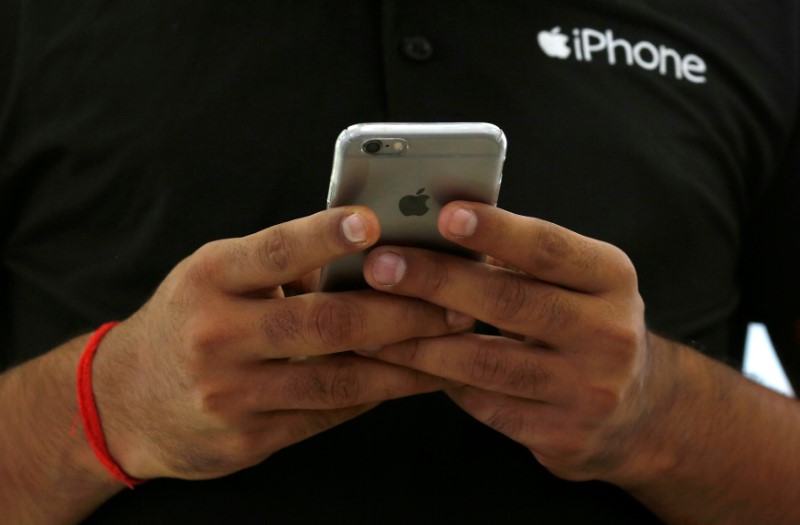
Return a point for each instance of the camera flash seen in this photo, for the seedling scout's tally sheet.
(398, 146)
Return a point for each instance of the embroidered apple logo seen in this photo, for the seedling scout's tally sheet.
(554, 43)
(414, 204)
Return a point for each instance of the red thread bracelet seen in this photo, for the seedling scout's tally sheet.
(88, 409)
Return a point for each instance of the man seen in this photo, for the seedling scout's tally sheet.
(648, 137)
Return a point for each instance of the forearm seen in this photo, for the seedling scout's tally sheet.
(730, 448)
(48, 474)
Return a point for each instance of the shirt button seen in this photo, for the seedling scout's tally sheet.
(417, 48)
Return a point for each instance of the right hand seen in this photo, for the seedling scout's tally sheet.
(200, 382)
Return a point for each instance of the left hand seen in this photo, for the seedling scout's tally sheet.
(576, 386)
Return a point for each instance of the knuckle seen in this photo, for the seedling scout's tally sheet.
(618, 266)
(211, 401)
(201, 348)
(336, 323)
(556, 310)
(204, 339)
(507, 296)
(550, 248)
(603, 400)
(332, 386)
(275, 255)
(303, 385)
(487, 366)
(625, 269)
(620, 340)
(590, 255)
(437, 279)
(527, 378)
(345, 386)
(490, 366)
(280, 325)
(204, 266)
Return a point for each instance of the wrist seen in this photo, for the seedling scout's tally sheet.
(717, 441)
(52, 473)
(58, 368)
(89, 413)
(118, 390)
(674, 415)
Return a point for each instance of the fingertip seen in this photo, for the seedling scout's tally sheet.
(386, 268)
(447, 212)
(458, 321)
(458, 220)
(359, 226)
(354, 229)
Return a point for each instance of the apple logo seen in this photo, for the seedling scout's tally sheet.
(553, 43)
(414, 204)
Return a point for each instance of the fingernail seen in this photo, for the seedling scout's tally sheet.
(354, 229)
(462, 223)
(459, 320)
(388, 268)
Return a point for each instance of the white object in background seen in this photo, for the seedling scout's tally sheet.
(761, 364)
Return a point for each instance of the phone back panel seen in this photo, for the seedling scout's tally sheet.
(438, 163)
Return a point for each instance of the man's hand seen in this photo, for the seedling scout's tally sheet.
(580, 381)
(575, 384)
(219, 369)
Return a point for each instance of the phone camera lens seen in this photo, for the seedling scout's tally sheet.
(372, 146)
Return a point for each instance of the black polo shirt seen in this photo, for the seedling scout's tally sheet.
(134, 132)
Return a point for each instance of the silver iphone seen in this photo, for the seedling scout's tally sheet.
(406, 172)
